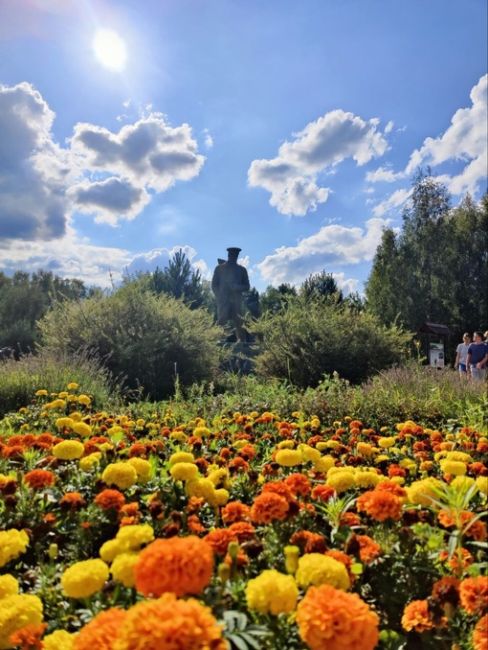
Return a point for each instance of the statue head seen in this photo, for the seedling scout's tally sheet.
(233, 253)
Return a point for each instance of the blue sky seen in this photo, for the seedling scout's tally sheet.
(290, 129)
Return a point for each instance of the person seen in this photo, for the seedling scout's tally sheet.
(462, 355)
(477, 357)
(229, 282)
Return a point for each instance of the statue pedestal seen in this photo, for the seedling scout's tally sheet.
(240, 356)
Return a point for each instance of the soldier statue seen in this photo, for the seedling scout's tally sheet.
(229, 281)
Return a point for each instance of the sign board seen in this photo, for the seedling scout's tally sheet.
(436, 355)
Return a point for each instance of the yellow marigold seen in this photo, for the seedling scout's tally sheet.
(13, 543)
(219, 477)
(15, 613)
(324, 464)
(480, 634)
(133, 537)
(341, 481)
(42, 392)
(455, 467)
(182, 565)
(272, 592)
(68, 450)
(365, 449)
(121, 474)
(317, 569)
(9, 586)
(170, 624)
(84, 399)
(64, 423)
(463, 483)
(122, 568)
(220, 497)
(142, 467)
(73, 385)
(184, 471)
(385, 443)
(100, 633)
(201, 488)
(459, 456)
(89, 462)
(201, 432)
(363, 478)
(82, 429)
(58, 640)
(56, 404)
(83, 579)
(332, 619)
(181, 457)
(310, 454)
(289, 457)
(422, 492)
(482, 483)
(110, 549)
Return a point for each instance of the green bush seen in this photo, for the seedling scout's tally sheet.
(314, 338)
(53, 371)
(145, 339)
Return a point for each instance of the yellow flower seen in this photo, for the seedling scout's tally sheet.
(68, 450)
(16, 612)
(184, 472)
(324, 463)
(219, 477)
(292, 553)
(365, 449)
(201, 432)
(13, 543)
(9, 586)
(84, 400)
(286, 444)
(220, 497)
(385, 443)
(289, 457)
(82, 429)
(122, 475)
(455, 467)
(42, 392)
(56, 404)
(310, 454)
(64, 423)
(463, 483)
(363, 478)
(142, 467)
(88, 462)
(459, 455)
(59, 640)
(202, 487)
(341, 481)
(482, 483)
(422, 492)
(73, 385)
(133, 537)
(83, 579)
(122, 568)
(179, 436)
(110, 549)
(181, 457)
(272, 592)
(317, 569)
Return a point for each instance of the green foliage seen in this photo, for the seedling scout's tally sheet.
(147, 339)
(275, 299)
(53, 370)
(313, 338)
(436, 268)
(24, 299)
(321, 285)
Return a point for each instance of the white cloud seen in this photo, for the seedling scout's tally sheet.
(208, 140)
(332, 245)
(389, 126)
(466, 139)
(384, 175)
(392, 202)
(292, 176)
(159, 258)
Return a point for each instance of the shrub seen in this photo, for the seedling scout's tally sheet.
(147, 339)
(53, 371)
(313, 338)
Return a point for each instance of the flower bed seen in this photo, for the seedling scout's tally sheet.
(244, 532)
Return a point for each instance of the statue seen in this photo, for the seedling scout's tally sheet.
(229, 281)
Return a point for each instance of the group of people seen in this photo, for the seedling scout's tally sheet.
(472, 356)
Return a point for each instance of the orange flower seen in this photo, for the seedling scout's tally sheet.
(72, 501)
(322, 492)
(219, 539)
(169, 624)
(456, 563)
(350, 519)
(239, 465)
(280, 488)
(480, 634)
(474, 594)
(110, 499)
(101, 632)
(182, 565)
(28, 637)
(336, 620)
(195, 526)
(380, 505)
(298, 484)
(243, 531)
(308, 542)
(39, 478)
(446, 590)
(268, 507)
(235, 511)
(340, 556)
(369, 550)
(393, 488)
(416, 616)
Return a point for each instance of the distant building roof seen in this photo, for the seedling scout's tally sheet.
(435, 328)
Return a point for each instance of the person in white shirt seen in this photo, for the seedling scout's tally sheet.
(462, 355)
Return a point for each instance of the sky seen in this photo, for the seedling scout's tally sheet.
(130, 129)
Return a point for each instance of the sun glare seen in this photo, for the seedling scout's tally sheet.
(110, 49)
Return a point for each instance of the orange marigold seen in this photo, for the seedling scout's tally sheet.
(416, 616)
(480, 634)
(235, 511)
(334, 619)
(380, 505)
(219, 539)
(72, 501)
(28, 637)
(322, 492)
(243, 531)
(110, 499)
(474, 594)
(268, 507)
(369, 550)
(182, 565)
(39, 478)
(170, 624)
(298, 484)
(101, 632)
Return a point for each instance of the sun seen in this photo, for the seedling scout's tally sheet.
(110, 49)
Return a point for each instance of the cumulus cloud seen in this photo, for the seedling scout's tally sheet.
(384, 175)
(108, 175)
(332, 245)
(292, 176)
(149, 261)
(392, 202)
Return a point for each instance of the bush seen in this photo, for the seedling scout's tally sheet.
(315, 338)
(147, 339)
(53, 371)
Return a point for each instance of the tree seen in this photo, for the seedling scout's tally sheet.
(275, 299)
(321, 285)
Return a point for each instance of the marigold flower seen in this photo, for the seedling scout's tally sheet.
(102, 631)
(219, 539)
(133, 537)
(39, 478)
(122, 568)
(110, 499)
(168, 624)
(182, 565)
(380, 505)
(243, 530)
(13, 543)
(82, 429)
(341, 481)
(422, 492)
(89, 462)
(289, 457)
(480, 634)
(59, 640)
(474, 594)
(9, 586)
(28, 637)
(184, 471)
(298, 484)
(369, 550)
(332, 619)
(322, 492)
(72, 501)
(68, 450)
(16, 612)
(268, 507)
(416, 616)
(317, 569)
(272, 592)
(235, 511)
(83, 579)
(142, 467)
(123, 475)
(446, 590)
